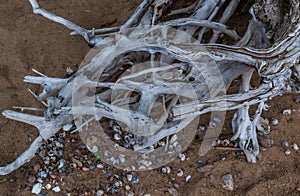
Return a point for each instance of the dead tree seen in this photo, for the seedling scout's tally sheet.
(174, 66)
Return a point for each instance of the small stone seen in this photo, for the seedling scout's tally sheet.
(180, 172)
(135, 179)
(201, 128)
(166, 170)
(114, 190)
(295, 147)
(100, 166)
(227, 182)
(287, 152)
(181, 156)
(127, 187)
(100, 192)
(275, 121)
(91, 166)
(285, 143)
(43, 174)
(85, 169)
(48, 186)
(56, 189)
(199, 161)
(129, 177)
(36, 189)
(187, 178)
(287, 112)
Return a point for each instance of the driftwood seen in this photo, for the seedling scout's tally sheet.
(154, 77)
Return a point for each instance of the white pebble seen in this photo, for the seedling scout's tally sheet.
(36, 189)
(287, 112)
(285, 143)
(181, 156)
(166, 170)
(100, 192)
(287, 152)
(56, 189)
(180, 172)
(48, 186)
(295, 147)
(188, 178)
(275, 121)
(127, 187)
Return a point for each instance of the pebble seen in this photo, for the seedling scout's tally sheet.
(275, 121)
(199, 161)
(181, 156)
(287, 112)
(48, 186)
(91, 166)
(100, 192)
(85, 169)
(129, 177)
(180, 172)
(227, 182)
(166, 170)
(36, 189)
(135, 179)
(285, 143)
(295, 147)
(287, 152)
(127, 187)
(100, 166)
(56, 189)
(114, 190)
(43, 174)
(201, 128)
(187, 178)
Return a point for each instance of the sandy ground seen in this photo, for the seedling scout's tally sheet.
(28, 41)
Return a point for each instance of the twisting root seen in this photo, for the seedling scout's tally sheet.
(167, 77)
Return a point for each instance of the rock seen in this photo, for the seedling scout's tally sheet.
(201, 128)
(56, 189)
(187, 178)
(295, 147)
(135, 179)
(227, 182)
(36, 189)
(275, 121)
(287, 112)
(48, 186)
